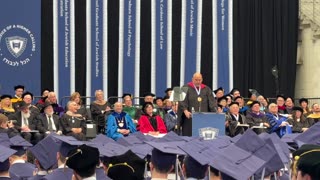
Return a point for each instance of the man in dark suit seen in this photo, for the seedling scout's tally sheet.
(48, 122)
(26, 122)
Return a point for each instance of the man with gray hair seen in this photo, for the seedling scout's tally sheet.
(278, 123)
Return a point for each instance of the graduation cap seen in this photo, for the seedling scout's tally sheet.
(232, 103)
(46, 104)
(4, 96)
(311, 136)
(126, 94)
(45, 152)
(68, 143)
(222, 98)
(253, 103)
(308, 162)
(149, 94)
(18, 87)
(219, 89)
(60, 173)
(234, 90)
(111, 149)
(129, 141)
(303, 100)
(27, 93)
(297, 108)
(169, 137)
(142, 150)
(281, 96)
(103, 139)
(21, 171)
(238, 97)
(5, 140)
(19, 144)
(23, 105)
(5, 153)
(125, 166)
(142, 137)
(83, 158)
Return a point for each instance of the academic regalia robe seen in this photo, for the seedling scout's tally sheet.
(117, 121)
(207, 104)
(145, 124)
(255, 120)
(233, 128)
(69, 122)
(297, 126)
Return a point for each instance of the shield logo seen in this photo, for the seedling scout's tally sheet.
(208, 133)
(16, 45)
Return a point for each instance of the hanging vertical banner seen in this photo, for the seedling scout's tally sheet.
(96, 45)
(223, 45)
(161, 45)
(191, 39)
(129, 45)
(64, 47)
(20, 33)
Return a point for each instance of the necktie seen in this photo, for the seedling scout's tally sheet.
(50, 124)
(25, 121)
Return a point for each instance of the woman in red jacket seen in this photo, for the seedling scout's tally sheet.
(149, 123)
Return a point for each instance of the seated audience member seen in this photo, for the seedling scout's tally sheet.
(192, 169)
(119, 123)
(7, 126)
(315, 116)
(289, 104)
(25, 123)
(150, 123)
(48, 122)
(42, 100)
(304, 105)
(158, 101)
(242, 108)
(218, 93)
(52, 99)
(278, 123)
(27, 97)
(6, 105)
(72, 125)
(82, 111)
(234, 119)
(149, 97)
(223, 102)
(219, 108)
(235, 92)
(229, 99)
(298, 121)
(167, 105)
(83, 160)
(4, 162)
(257, 119)
(281, 104)
(18, 90)
(129, 108)
(160, 107)
(168, 93)
(263, 103)
(99, 110)
(161, 163)
(171, 118)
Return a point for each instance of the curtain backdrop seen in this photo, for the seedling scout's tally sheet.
(265, 35)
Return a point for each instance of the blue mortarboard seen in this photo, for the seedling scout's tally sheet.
(60, 173)
(67, 143)
(129, 141)
(142, 137)
(142, 150)
(262, 149)
(169, 137)
(19, 144)
(21, 171)
(5, 140)
(5, 153)
(103, 139)
(111, 150)
(45, 152)
(311, 136)
(83, 158)
(236, 162)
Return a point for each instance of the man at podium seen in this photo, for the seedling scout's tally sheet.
(199, 98)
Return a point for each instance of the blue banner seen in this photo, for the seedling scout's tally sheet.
(96, 45)
(207, 120)
(20, 37)
(161, 45)
(129, 39)
(64, 47)
(223, 45)
(191, 39)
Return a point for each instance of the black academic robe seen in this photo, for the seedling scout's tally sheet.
(99, 117)
(10, 131)
(256, 120)
(233, 128)
(42, 123)
(207, 104)
(17, 116)
(68, 122)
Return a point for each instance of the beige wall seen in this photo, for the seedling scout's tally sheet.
(308, 72)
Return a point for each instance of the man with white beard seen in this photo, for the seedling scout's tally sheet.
(25, 123)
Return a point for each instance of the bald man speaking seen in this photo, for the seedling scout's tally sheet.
(199, 98)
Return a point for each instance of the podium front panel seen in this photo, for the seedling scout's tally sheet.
(208, 120)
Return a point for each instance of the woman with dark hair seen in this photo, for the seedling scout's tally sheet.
(304, 105)
(149, 123)
(299, 122)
